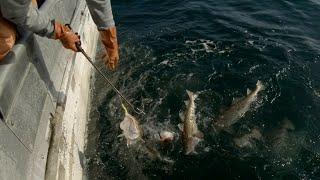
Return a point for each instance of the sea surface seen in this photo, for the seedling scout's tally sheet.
(218, 49)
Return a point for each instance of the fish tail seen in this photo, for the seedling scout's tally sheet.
(192, 143)
(260, 86)
(192, 95)
(199, 134)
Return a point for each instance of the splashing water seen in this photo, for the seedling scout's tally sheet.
(219, 48)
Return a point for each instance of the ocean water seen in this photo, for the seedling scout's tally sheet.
(219, 49)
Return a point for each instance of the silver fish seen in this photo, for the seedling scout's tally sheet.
(237, 109)
(284, 144)
(191, 135)
(247, 139)
(278, 136)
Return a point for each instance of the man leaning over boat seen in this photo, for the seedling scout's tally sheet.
(25, 14)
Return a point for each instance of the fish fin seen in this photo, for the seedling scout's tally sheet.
(188, 152)
(229, 130)
(287, 124)
(236, 99)
(186, 102)
(192, 153)
(248, 91)
(192, 95)
(195, 95)
(260, 85)
(180, 126)
(167, 160)
(199, 134)
(194, 142)
(182, 116)
(121, 135)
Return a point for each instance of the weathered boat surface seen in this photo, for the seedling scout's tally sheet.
(44, 95)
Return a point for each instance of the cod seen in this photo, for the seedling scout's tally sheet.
(237, 109)
(247, 140)
(279, 136)
(132, 131)
(190, 133)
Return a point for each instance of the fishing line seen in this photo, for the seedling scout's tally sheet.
(136, 110)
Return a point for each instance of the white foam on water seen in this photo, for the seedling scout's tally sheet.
(207, 48)
(253, 68)
(190, 42)
(251, 42)
(317, 93)
(165, 62)
(201, 45)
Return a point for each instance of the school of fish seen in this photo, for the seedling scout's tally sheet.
(190, 134)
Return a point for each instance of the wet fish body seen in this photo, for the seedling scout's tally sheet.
(278, 136)
(132, 132)
(237, 109)
(247, 139)
(285, 144)
(191, 135)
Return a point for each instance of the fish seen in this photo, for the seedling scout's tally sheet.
(247, 139)
(190, 133)
(154, 154)
(237, 109)
(130, 128)
(284, 144)
(278, 136)
(132, 131)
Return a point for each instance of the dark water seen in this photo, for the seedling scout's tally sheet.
(217, 48)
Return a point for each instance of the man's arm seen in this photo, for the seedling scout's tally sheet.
(101, 13)
(24, 14)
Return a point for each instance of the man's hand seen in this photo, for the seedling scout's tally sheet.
(8, 35)
(67, 37)
(110, 42)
